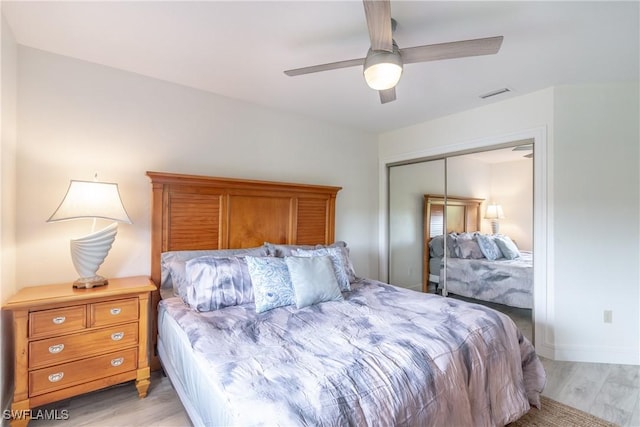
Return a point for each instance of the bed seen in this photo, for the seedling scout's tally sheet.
(475, 266)
(374, 354)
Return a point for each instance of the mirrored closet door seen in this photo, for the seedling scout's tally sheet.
(479, 199)
(407, 186)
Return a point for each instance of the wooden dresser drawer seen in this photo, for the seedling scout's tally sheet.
(74, 373)
(57, 321)
(111, 312)
(69, 341)
(62, 349)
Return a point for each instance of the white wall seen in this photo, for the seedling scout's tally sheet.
(8, 58)
(512, 187)
(596, 212)
(592, 164)
(75, 118)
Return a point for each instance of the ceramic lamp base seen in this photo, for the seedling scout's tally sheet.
(90, 282)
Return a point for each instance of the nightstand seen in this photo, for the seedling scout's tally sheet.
(71, 341)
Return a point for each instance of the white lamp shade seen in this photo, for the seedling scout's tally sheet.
(494, 212)
(382, 70)
(88, 199)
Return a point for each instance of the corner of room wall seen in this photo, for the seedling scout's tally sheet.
(596, 210)
(8, 95)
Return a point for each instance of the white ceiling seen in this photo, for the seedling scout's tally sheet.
(240, 49)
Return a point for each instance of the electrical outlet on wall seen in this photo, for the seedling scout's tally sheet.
(608, 316)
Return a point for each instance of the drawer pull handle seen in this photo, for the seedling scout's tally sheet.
(56, 377)
(56, 348)
(117, 336)
(117, 362)
(115, 311)
(59, 320)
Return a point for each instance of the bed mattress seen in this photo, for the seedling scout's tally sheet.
(383, 356)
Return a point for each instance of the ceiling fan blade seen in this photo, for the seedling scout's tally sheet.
(460, 49)
(378, 14)
(528, 156)
(387, 95)
(528, 147)
(325, 67)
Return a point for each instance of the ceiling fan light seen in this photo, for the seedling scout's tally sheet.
(382, 70)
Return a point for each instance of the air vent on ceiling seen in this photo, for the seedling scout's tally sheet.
(495, 92)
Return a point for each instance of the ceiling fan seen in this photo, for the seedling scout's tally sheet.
(384, 61)
(526, 147)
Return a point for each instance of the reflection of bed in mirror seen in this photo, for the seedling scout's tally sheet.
(472, 269)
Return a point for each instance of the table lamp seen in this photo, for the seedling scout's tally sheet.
(494, 213)
(91, 199)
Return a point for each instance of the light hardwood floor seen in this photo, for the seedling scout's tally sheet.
(608, 391)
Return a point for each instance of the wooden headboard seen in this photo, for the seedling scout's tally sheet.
(190, 212)
(463, 215)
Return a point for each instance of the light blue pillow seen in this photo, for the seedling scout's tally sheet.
(272, 285)
(507, 247)
(336, 256)
(489, 247)
(314, 280)
(218, 282)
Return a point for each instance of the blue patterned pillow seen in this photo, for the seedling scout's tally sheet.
(337, 261)
(313, 279)
(217, 282)
(507, 247)
(488, 247)
(272, 285)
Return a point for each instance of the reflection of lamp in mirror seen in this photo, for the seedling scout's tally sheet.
(494, 213)
(91, 199)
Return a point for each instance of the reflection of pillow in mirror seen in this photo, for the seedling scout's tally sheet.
(436, 246)
(489, 247)
(507, 247)
(468, 249)
(454, 240)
